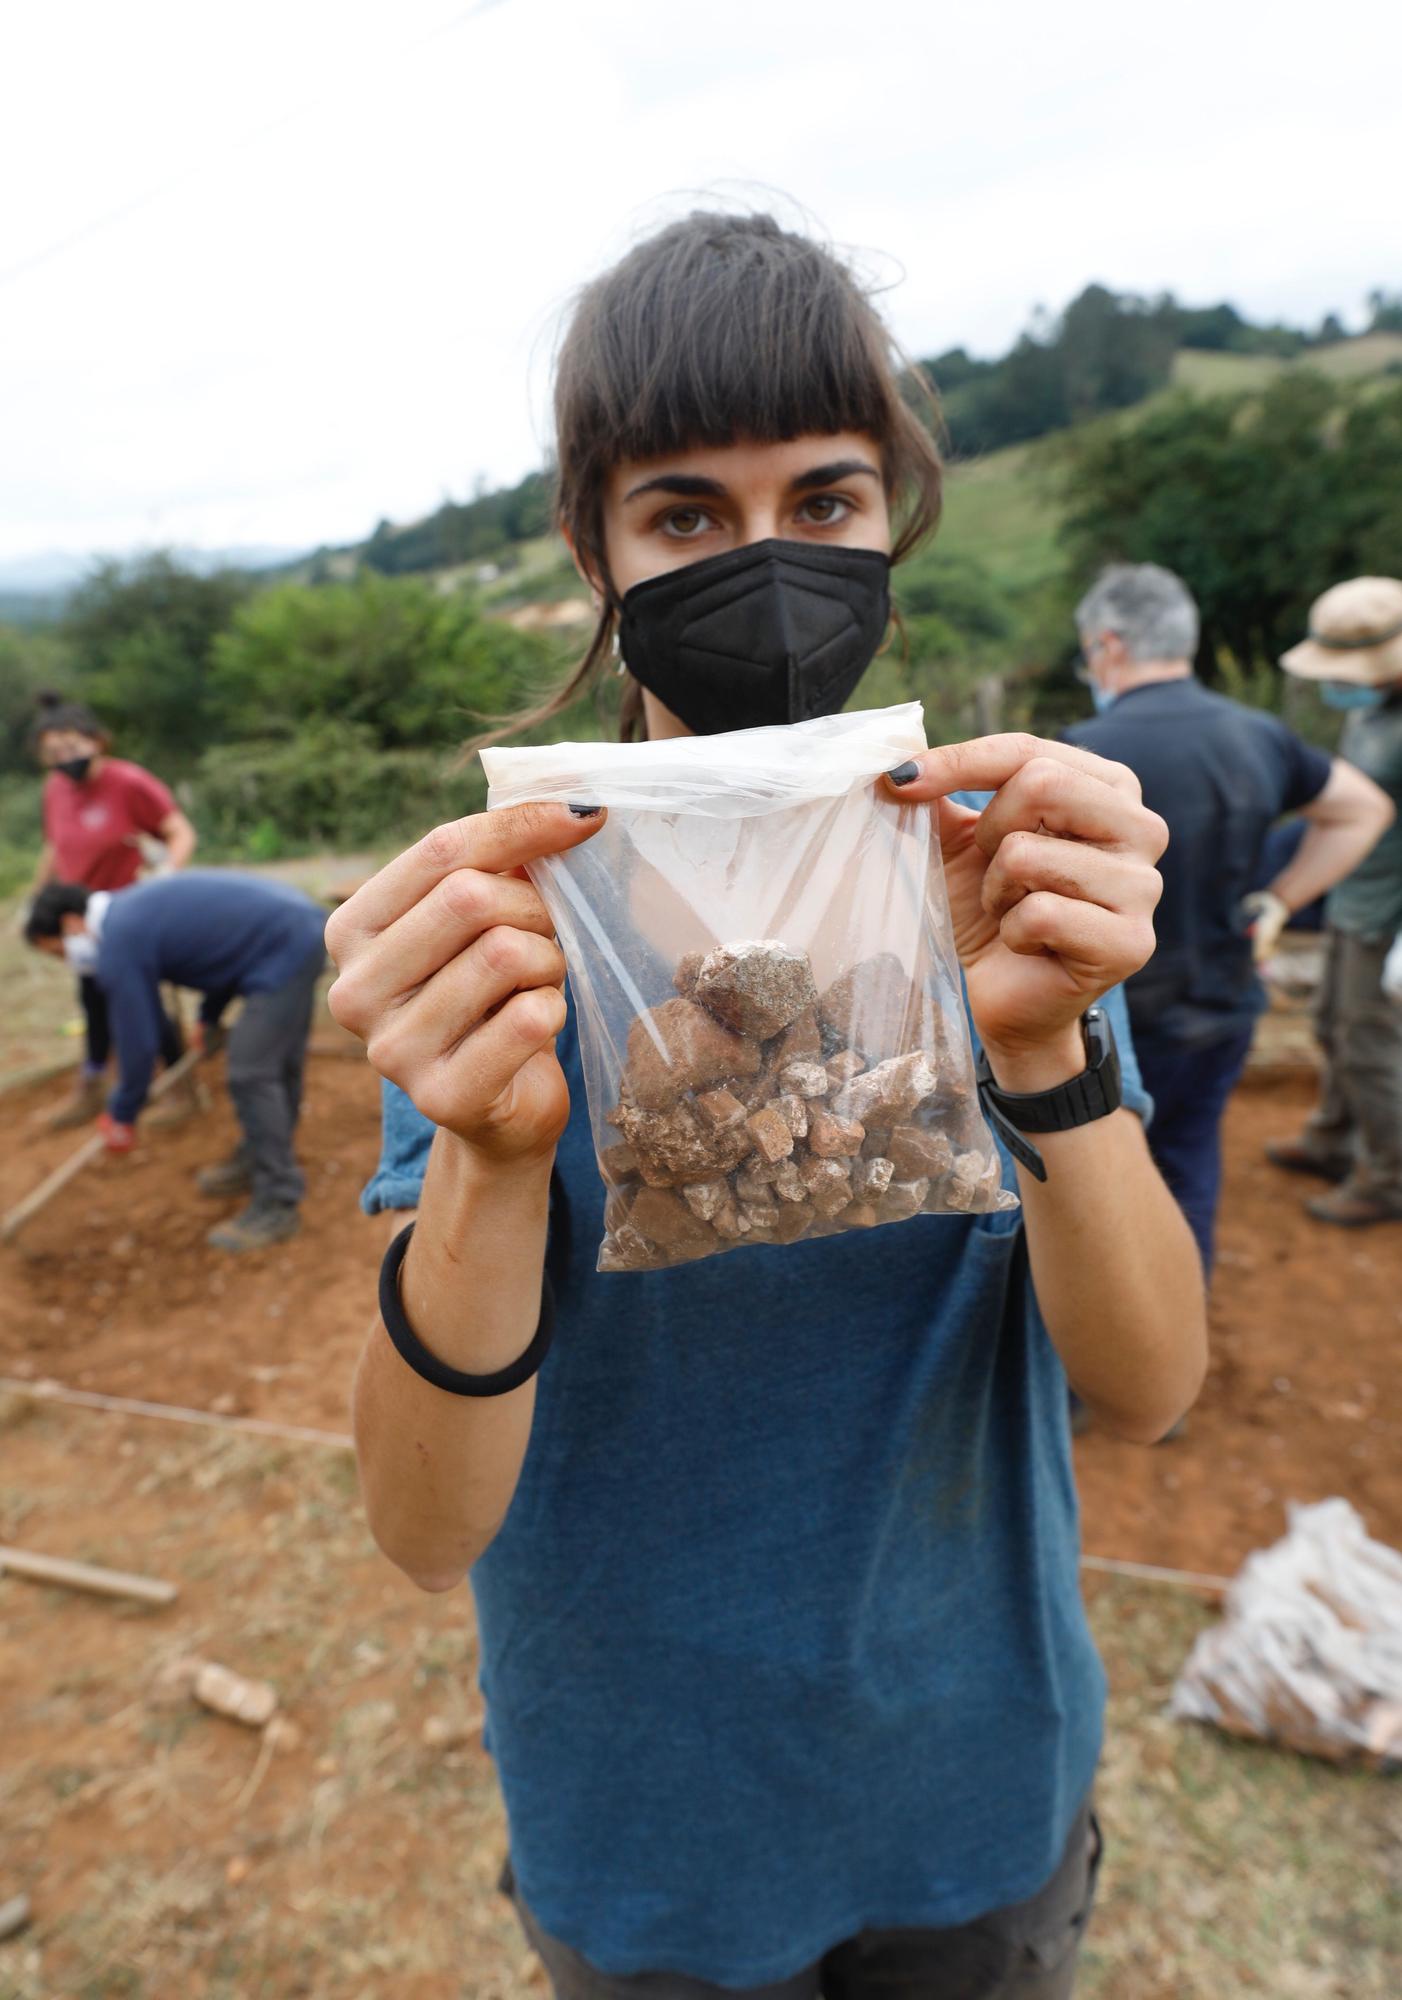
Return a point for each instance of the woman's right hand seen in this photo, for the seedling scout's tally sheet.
(451, 976)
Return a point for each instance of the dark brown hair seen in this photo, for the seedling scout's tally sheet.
(54, 711)
(716, 329)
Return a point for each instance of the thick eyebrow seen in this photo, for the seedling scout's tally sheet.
(686, 485)
(828, 475)
(693, 486)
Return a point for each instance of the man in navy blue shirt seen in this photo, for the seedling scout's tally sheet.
(1221, 775)
(221, 934)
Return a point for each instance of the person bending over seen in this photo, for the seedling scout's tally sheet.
(221, 934)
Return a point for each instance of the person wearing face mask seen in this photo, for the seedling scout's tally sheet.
(217, 933)
(1221, 775)
(1354, 656)
(787, 1674)
(96, 808)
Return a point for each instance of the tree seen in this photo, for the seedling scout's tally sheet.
(1259, 503)
(141, 636)
(393, 656)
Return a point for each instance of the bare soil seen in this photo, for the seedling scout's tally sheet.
(167, 1853)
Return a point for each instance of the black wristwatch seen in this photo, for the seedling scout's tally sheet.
(1092, 1094)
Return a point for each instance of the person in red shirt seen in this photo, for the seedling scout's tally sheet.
(96, 807)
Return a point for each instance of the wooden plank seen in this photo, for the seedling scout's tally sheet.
(69, 1169)
(84, 1576)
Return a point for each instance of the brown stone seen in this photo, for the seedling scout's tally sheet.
(758, 987)
(902, 1199)
(829, 1184)
(859, 1215)
(787, 1182)
(792, 1221)
(794, 1112)
(684, 978)
(873, 1008)
(832, 1138)
(889, 1093)
(805, 1079)
(627, 1249)
(801, 1041)
(871, 1178)
(843, 1067)
(721, 1109)
(752, 1182)
(706, 1198)
(730, 1223)
(619, 1163)
(669, 1223)
(915, 1152)
(962, 1184)
(677, 1146)
(762, 1219)
(679, 1047)
(771, 1132)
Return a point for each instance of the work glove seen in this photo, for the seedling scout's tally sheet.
(116, 1138)
(1392, 971)
(1265, 916)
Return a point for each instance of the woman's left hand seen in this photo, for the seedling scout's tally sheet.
(1052, 889)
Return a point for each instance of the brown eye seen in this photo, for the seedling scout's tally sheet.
(826, 509)
(686, 521)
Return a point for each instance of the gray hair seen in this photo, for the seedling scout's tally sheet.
(1149, 608)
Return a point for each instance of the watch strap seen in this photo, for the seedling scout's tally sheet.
(1093, 1094)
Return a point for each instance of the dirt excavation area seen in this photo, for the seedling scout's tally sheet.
(113, 1288)
(167, 1850)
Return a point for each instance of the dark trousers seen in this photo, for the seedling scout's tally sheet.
(267, 1055)
(1027, 1952)
(1360, 1102)
(93, 1001)
(1190, 1088)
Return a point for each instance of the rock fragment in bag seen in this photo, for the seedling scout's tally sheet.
(680, 1047)
(874, 1009)
(758, 987)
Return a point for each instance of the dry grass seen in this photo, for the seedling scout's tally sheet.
(163, 1861)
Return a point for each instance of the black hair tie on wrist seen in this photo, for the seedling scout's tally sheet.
(412, 1350)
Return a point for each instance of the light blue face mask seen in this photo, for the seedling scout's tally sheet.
(1348, 694)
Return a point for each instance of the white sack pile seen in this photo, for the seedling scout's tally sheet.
(1309, 1652)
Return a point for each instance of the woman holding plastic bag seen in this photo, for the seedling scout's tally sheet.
(775, 1557)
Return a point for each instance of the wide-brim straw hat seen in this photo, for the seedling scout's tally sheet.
(1355, 634)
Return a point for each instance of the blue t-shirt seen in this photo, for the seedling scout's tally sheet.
(1220, 774)
(782, 1637)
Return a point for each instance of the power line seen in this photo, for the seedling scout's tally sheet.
(98, 225)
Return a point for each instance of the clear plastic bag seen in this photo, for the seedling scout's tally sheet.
(1309, 1653)
(770, 1012)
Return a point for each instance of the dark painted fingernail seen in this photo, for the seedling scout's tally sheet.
(584, 812)
(904, 774)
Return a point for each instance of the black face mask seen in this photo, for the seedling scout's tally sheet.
(775, 632)
(76, 768)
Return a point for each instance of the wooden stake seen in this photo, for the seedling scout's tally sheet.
(41, 1196)
(84, 1576)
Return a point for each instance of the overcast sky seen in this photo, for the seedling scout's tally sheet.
(273, 270)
